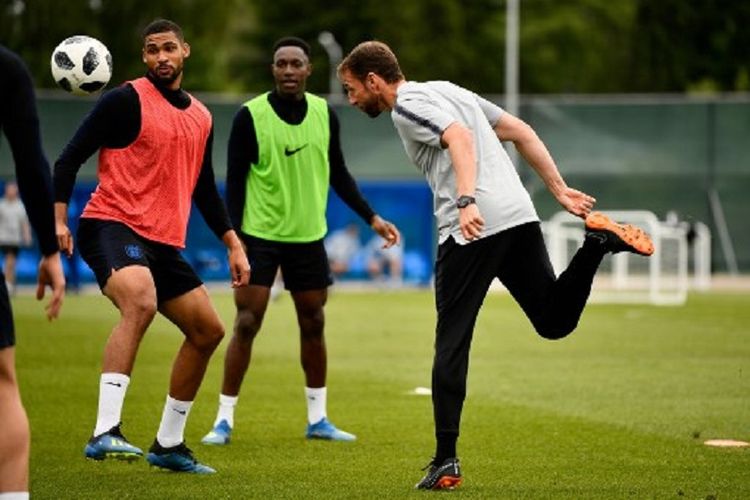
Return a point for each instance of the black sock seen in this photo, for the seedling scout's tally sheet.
(446, 446)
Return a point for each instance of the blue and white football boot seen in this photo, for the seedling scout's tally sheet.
(323, 429)
(219, 435)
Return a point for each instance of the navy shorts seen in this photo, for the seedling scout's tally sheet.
(304, 266)
(109, 245)
(10, 249)
(7, 333)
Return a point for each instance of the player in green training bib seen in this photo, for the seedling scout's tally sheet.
(284, 153)
(287, 188)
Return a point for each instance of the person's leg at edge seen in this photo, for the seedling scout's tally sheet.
(462, 278)
(14, 431)
(193, 313)
(553, 305)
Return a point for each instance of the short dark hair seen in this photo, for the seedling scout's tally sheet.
(292, 41)
(163, 26)
(372, 57)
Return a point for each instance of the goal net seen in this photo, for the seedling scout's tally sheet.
(660, 279)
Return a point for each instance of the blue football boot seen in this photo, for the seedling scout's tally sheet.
(323, 429)
(219, 435)
(176, 458)
(111, 444)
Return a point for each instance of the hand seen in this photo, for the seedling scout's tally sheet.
(471, 221)
(388, 231)
(239, 266)
(64, 238)
(50, 273)
(576, 202)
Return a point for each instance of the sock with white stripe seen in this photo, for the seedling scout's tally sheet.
(112, 389)
(173, 420)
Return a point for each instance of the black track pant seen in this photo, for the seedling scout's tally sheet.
(463, 273)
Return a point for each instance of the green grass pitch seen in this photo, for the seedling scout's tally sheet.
(619, 409)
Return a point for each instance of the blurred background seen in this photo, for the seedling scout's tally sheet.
(643, 103)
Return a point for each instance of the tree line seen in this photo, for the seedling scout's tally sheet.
(575, 46)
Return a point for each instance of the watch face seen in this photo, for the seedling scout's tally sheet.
(464, 201)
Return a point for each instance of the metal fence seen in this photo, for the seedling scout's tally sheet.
(689, 156)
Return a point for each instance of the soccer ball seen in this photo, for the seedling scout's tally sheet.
(81, 65)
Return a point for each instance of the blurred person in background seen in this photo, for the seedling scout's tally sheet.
(385, 265)
(342, 245)
(14, 232)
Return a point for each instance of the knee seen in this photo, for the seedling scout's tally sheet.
(142, 308)
(209, 336)
(312, 324)
(246, 325)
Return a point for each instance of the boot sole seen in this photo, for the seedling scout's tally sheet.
(448, 483)
(634, 237)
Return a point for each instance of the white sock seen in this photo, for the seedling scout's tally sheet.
(112, 389)
(14, 495)
(316, 404)
(226, 409)
(173, 420)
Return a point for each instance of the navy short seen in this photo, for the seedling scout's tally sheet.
(10, 249)
(7, 333)
(304, 266)
(110, 245)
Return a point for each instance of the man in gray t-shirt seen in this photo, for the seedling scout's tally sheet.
(487, 225)
(15, 231)
(422, 112)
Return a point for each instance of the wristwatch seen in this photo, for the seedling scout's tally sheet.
(464, 201)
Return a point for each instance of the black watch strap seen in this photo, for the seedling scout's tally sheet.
(464, 201)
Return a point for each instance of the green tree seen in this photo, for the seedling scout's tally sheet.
(576, 46)
(34, 28)
(697, 45)
(434, 39)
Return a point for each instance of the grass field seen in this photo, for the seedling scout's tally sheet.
(620, 409)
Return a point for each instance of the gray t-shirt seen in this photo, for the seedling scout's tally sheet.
(12, 219)
(421, 114)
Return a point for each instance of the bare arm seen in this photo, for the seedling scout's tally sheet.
(460, 143)
(533, 150)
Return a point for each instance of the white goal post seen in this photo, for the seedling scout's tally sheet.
(661, 279)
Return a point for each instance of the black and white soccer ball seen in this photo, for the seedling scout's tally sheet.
(81, 65)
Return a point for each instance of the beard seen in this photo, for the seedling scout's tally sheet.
(371, 107)
(166, 79)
